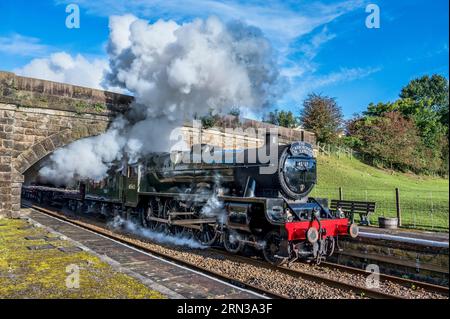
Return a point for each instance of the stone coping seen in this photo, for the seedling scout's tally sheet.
(37, 93)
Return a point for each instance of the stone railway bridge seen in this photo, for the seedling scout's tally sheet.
(37, 117)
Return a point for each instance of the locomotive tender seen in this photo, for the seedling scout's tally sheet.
(228, 200)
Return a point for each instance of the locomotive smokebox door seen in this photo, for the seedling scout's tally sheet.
(131, 186)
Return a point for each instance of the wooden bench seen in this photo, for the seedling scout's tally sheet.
(351, 208)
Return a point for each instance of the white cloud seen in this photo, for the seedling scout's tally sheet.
(17, 44)
(313, 82)
(304, 64)
(65, 68)
(281, 21)
(343, 75)
(311, 48)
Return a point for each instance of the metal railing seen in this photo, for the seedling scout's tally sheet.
(339, 151)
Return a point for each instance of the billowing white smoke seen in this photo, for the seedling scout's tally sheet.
(176, 72)
(158, 237)
(214, 207)
(86, 158)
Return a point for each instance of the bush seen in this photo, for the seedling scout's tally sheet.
(392, 141)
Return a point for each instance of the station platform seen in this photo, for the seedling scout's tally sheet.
(410, 236)
(417, 254)
(41, 264)
(154, 276)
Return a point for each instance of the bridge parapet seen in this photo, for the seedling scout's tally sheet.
(36, 93)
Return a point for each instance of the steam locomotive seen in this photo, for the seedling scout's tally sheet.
(226, 200)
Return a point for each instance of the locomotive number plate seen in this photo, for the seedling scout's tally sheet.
(302, 165)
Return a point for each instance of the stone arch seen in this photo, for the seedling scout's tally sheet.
(37, 117)
(48, 145)
(35, 153)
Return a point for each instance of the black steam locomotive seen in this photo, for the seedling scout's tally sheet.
(236, 197)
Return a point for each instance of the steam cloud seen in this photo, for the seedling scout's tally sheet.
(120, 223)
(176, 72)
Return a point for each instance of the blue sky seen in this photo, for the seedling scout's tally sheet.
(321, 46)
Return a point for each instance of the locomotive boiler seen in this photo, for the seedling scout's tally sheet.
(234, 197)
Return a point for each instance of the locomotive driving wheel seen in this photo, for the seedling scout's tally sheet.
(154, 209)
(231, 241)
(207, 234)
(272, 248)
(173, 209)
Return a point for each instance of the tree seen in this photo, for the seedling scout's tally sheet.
(210, 120)
(425, 101)
(235, 111)
(429, 98)
(323, 116)
(282, 118)
(428, 106)
(428, 91)
(392, 140)
(401, 105)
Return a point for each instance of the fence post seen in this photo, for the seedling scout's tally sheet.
(340, 193)
(397, 206)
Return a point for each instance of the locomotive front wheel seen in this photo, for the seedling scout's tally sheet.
(231, 242)
(272, 248)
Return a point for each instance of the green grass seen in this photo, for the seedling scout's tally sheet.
(39, 274)
(424, 200)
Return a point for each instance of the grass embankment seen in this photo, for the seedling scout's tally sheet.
(424, 200)
(26, 273)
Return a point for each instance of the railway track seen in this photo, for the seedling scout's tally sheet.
(357, 290)
(360, 290)
(408, 283)
(232, 281)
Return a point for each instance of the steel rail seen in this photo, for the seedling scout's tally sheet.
(408, 283)
(354, 289)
